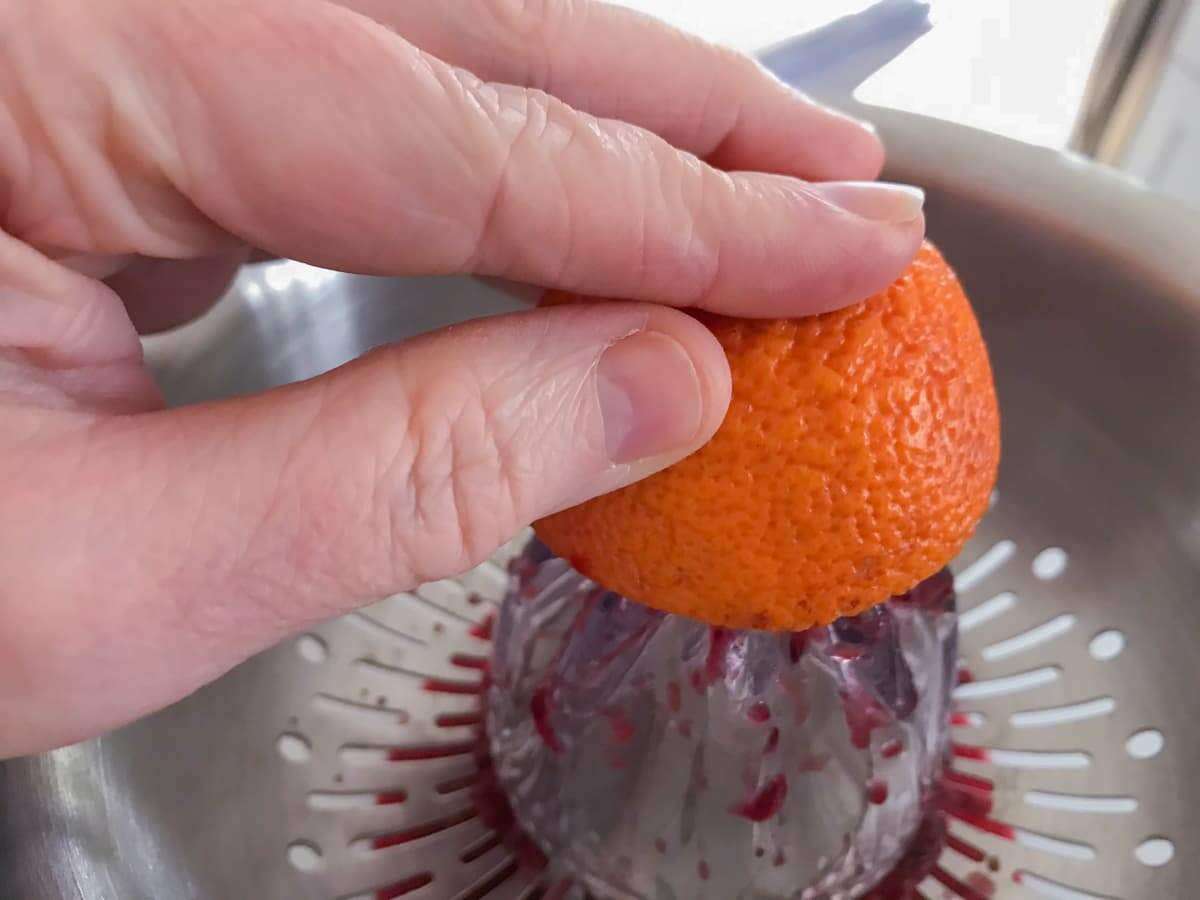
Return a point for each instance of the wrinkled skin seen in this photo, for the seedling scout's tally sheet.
(146, 147)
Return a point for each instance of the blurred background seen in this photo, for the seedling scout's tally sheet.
(1115, 79)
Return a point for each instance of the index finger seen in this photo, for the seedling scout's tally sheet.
(617, 63)
(397, 163)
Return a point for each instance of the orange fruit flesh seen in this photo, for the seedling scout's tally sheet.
(858, 454)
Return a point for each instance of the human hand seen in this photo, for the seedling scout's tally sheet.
(146, 146)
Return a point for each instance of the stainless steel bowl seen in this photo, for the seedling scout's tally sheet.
(1080, 591)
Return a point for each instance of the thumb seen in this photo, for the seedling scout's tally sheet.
(189, 539)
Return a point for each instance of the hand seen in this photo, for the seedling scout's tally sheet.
(146, 146)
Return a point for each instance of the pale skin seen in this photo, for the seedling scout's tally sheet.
(146, 146)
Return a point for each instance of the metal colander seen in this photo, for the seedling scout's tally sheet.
(345, 763)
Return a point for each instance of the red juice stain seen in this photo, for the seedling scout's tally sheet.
(961, 720)
(892, 748)
(660, 845)
(970, 851)
(993, 863)
(797, 641)
(474, 599)
(964, 676)
(863, 715)
(387, 798)
(539, 711)
(766, 803)
(697, 679)
(771, 743)
(429, 751)
(442, 686)
(779, 859)
(674, 697)
(483, 630)
(719, 642)
(702, 870)
(953, 776)
(877, 791)
(458, 720)
(961, 799)
(917, 862)
(619, 724)
(759, 712)
(968, 751)
(982, 822)
(920, 860)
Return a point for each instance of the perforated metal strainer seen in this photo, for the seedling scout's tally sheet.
(346, 763)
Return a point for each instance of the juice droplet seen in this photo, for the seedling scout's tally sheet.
(771, 743)
(674, 697)
(877, 791)
(892, 749)
(759, 712)
(766, 803)
(539, 711)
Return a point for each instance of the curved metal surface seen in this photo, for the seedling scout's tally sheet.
(1087, 291)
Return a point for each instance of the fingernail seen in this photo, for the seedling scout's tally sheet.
(650, 397)
(879, 201)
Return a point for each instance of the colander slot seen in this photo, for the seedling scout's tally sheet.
(1027, 640)
(388, 839)
(365, 754)
(384, 630)
(340, 801)
(375, 710)
(1049, 563)
(492, 881)
(1054, 890)
(1055, 845)
(460, 783)
(1023, 759)
(1061, 715)
(996, 556)
(1145, 744)
(305, 856)
(312, 648)
(480, 847)
(1004, 685)
(1080, 803)
(391, 891)
(984, 612)
(1107, 645)
(967, 718)
(1155, 852)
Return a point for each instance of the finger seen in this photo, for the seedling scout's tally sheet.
(616, 63)
(200, 535)
(411, 166)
